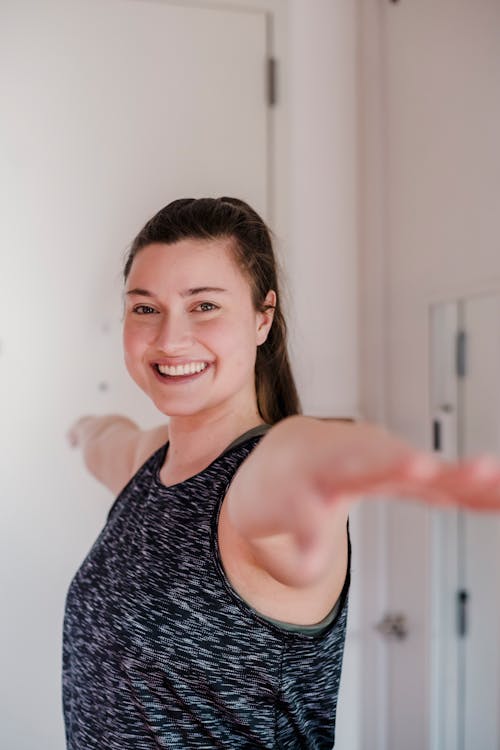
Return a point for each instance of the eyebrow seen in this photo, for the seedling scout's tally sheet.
(186, 293)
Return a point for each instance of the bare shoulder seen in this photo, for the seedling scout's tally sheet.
(120, 450)
(148, 442)
(259, 571)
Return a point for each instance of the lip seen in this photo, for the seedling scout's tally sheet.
(176, 379)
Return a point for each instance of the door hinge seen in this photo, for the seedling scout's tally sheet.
(462, 620)
(461, 354)
(436, 435)
(271, 81)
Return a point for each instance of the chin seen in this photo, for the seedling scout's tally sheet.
(174, 407)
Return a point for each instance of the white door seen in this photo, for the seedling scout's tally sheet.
(110, 109)
(480, 545)
(465, 365)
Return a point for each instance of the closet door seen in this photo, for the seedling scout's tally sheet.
(480, 541)
(465, 369)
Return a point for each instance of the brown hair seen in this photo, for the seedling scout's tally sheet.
(211, 218)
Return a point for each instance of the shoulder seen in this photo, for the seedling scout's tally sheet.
(147, 443)
(267, 476)
(121, 451)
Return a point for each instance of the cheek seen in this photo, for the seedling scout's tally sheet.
(235, 342)
(128, 339)
(133, 342)
(231, 335)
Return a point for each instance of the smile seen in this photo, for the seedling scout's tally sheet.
(180, 373)
(187, 369)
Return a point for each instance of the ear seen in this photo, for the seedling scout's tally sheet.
(265, 319)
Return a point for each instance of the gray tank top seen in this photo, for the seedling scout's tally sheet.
(159, 651)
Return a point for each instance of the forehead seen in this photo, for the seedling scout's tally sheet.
(188, 261)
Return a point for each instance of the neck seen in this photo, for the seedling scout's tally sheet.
(195, 441)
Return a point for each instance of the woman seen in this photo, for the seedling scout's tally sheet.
(211, 610)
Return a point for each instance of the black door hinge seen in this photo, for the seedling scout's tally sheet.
(436, 435)
(461, 354)
(462, 621)
(271, 81)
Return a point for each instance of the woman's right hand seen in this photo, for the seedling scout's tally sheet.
(113, 446)
(91, 426)
(75, 432)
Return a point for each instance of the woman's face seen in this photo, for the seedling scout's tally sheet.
(190, 329)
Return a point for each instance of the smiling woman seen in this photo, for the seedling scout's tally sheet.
(211, 611)
(189, 305)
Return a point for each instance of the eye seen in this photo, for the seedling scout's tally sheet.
(143, 309)
(210, 305)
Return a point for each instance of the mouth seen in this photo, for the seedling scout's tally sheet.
(180, 373)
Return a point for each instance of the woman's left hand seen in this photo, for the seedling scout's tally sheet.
(303, 466)
(399, 470)
(290, 499)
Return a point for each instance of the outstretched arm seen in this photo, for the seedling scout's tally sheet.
(114, 446)
(289, 500)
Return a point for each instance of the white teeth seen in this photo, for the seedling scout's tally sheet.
(187, 369)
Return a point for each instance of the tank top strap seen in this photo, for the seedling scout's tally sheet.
(257, 431)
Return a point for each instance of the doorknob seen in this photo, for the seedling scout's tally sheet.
(393, 626)
(447, 408)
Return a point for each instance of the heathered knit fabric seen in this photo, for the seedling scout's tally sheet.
(159, 651)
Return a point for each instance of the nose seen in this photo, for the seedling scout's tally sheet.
(173, 333)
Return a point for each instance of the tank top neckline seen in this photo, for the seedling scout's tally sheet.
(250, 434)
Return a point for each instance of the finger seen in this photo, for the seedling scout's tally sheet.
(473, 484)
(481, 489)
(74, 432)
(73, 437)
(486, 501)
(468, 479)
